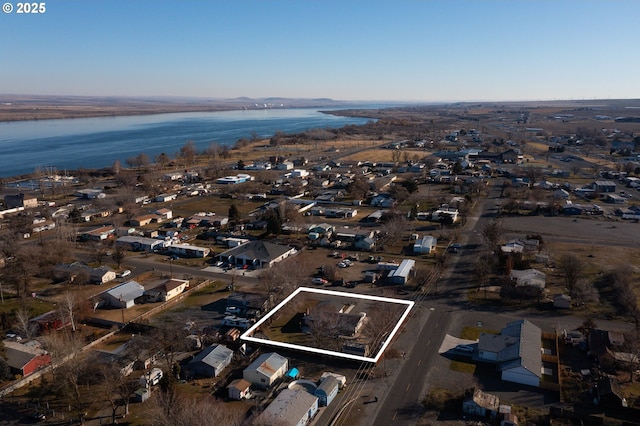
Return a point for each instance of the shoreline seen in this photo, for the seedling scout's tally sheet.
(21, 108)
(29, 115)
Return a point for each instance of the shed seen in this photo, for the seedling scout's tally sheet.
(479, 403)
(239, 389)
(562, 301)
(142, 394)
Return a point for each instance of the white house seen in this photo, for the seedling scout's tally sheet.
(529, 278)
(425, 245)
(188, 250)
(171, 288)
(266, 369)
(438, 214)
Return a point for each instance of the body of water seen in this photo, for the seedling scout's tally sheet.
(97, 142)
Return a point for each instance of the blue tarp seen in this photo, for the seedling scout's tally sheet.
(293, 373)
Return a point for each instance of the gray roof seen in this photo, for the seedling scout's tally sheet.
(216, 356)
(528, 355)
(18, 354)
(328, 384)
(260, 250)
(126, 291)
(289, 407)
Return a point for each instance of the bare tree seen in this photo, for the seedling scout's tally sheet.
(188, 153)
(172, 408)
(119, 254)
(492, 233)
(23, 316)
(571, 268)
(585, 292)
(68, 307)
(116, 387)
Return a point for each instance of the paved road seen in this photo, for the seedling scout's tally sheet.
(402, 402)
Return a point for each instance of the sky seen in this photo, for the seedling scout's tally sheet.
(393, 50)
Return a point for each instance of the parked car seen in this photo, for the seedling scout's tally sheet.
(124, 273)
(320, 281)
(455, 248)
(232, 310)
(342, 265)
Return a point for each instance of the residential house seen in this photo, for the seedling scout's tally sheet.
(562, 301)
(164, 214)
(513, 246)
(321, 229)
(327, 390)
(516, 351)
(529, 278)
(234, 180)
(209, 362)
(425, 245)
(89, 193)
(266, 369)
(188, 250)
(164, 198)
(335, 318)
(561, 194)
(364, 243)
(291, 408)
(239, 389)
(99, 234)
(70, 273)
(603, 186)
(607, 392)
(258, 254)
(134, 243)
(48, 322)
(439, 214)
(250, 304)
(101, 275)
(170, 289)
(20, 200)
(123, 295)
(605, 346)
(478, 403)
(25, 358)
(285, 165)
(400, 275)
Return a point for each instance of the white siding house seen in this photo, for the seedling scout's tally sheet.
(266, 369)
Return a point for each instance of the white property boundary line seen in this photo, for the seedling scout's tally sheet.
(247, 336)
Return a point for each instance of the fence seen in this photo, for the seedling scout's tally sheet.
(36, 375)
